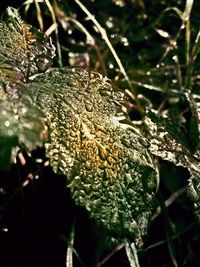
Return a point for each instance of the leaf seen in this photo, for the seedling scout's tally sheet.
(165, 143)
(195, 122)
(23, 48)
(107, 164)
(165, 140)
(23, 52)
(19, 117)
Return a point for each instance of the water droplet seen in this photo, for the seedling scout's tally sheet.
(5, 230)
(125, 42)
(69, 31)
(89, 107)
(109, 23)
(151, 186)
(129, 177)
(88, 166)
(103, 153)
(24, 110)
(119, 3)
(148, 73)
(7, 123)
(111, 66)
(72, 133)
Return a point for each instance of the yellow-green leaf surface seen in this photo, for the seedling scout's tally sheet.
(107, 164)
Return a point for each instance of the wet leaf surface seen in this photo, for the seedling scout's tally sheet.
(22, 51)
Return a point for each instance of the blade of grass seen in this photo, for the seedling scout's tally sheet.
(117, 248)
(28, 2)
(50, 7)
(175, 236)
(169, 201)
(178, 71)
(188, 8)
(106, 39)
(92, 42)
(195, 49)
(63, 19)
(39, 15)
(69, 255)
(193, 56)
(173, 41)
(169, 91)
(104, 35)
(51, 29)
(131, 253)
(186, 22)
(185, 17)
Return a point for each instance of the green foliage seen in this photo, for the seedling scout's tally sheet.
(22, 54)
(87, 143)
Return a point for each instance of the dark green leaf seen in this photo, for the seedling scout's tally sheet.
(107, 164)
(23, 52)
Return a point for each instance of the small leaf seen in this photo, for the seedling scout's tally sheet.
(23, 51)
(22, 47)
(166, 144)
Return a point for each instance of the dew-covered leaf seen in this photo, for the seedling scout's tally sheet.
(19, 118)
(195, 121)
(194, 182)
(165, 140)
(107, 164)
(165, 143)
(23, 52)
(23, 48)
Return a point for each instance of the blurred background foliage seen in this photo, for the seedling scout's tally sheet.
(149, 50)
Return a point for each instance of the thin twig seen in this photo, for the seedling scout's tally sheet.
(162, 242)
(56, 31)
(117, 248)
(169, 201)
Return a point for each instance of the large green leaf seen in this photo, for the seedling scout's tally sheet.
(107, 164)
